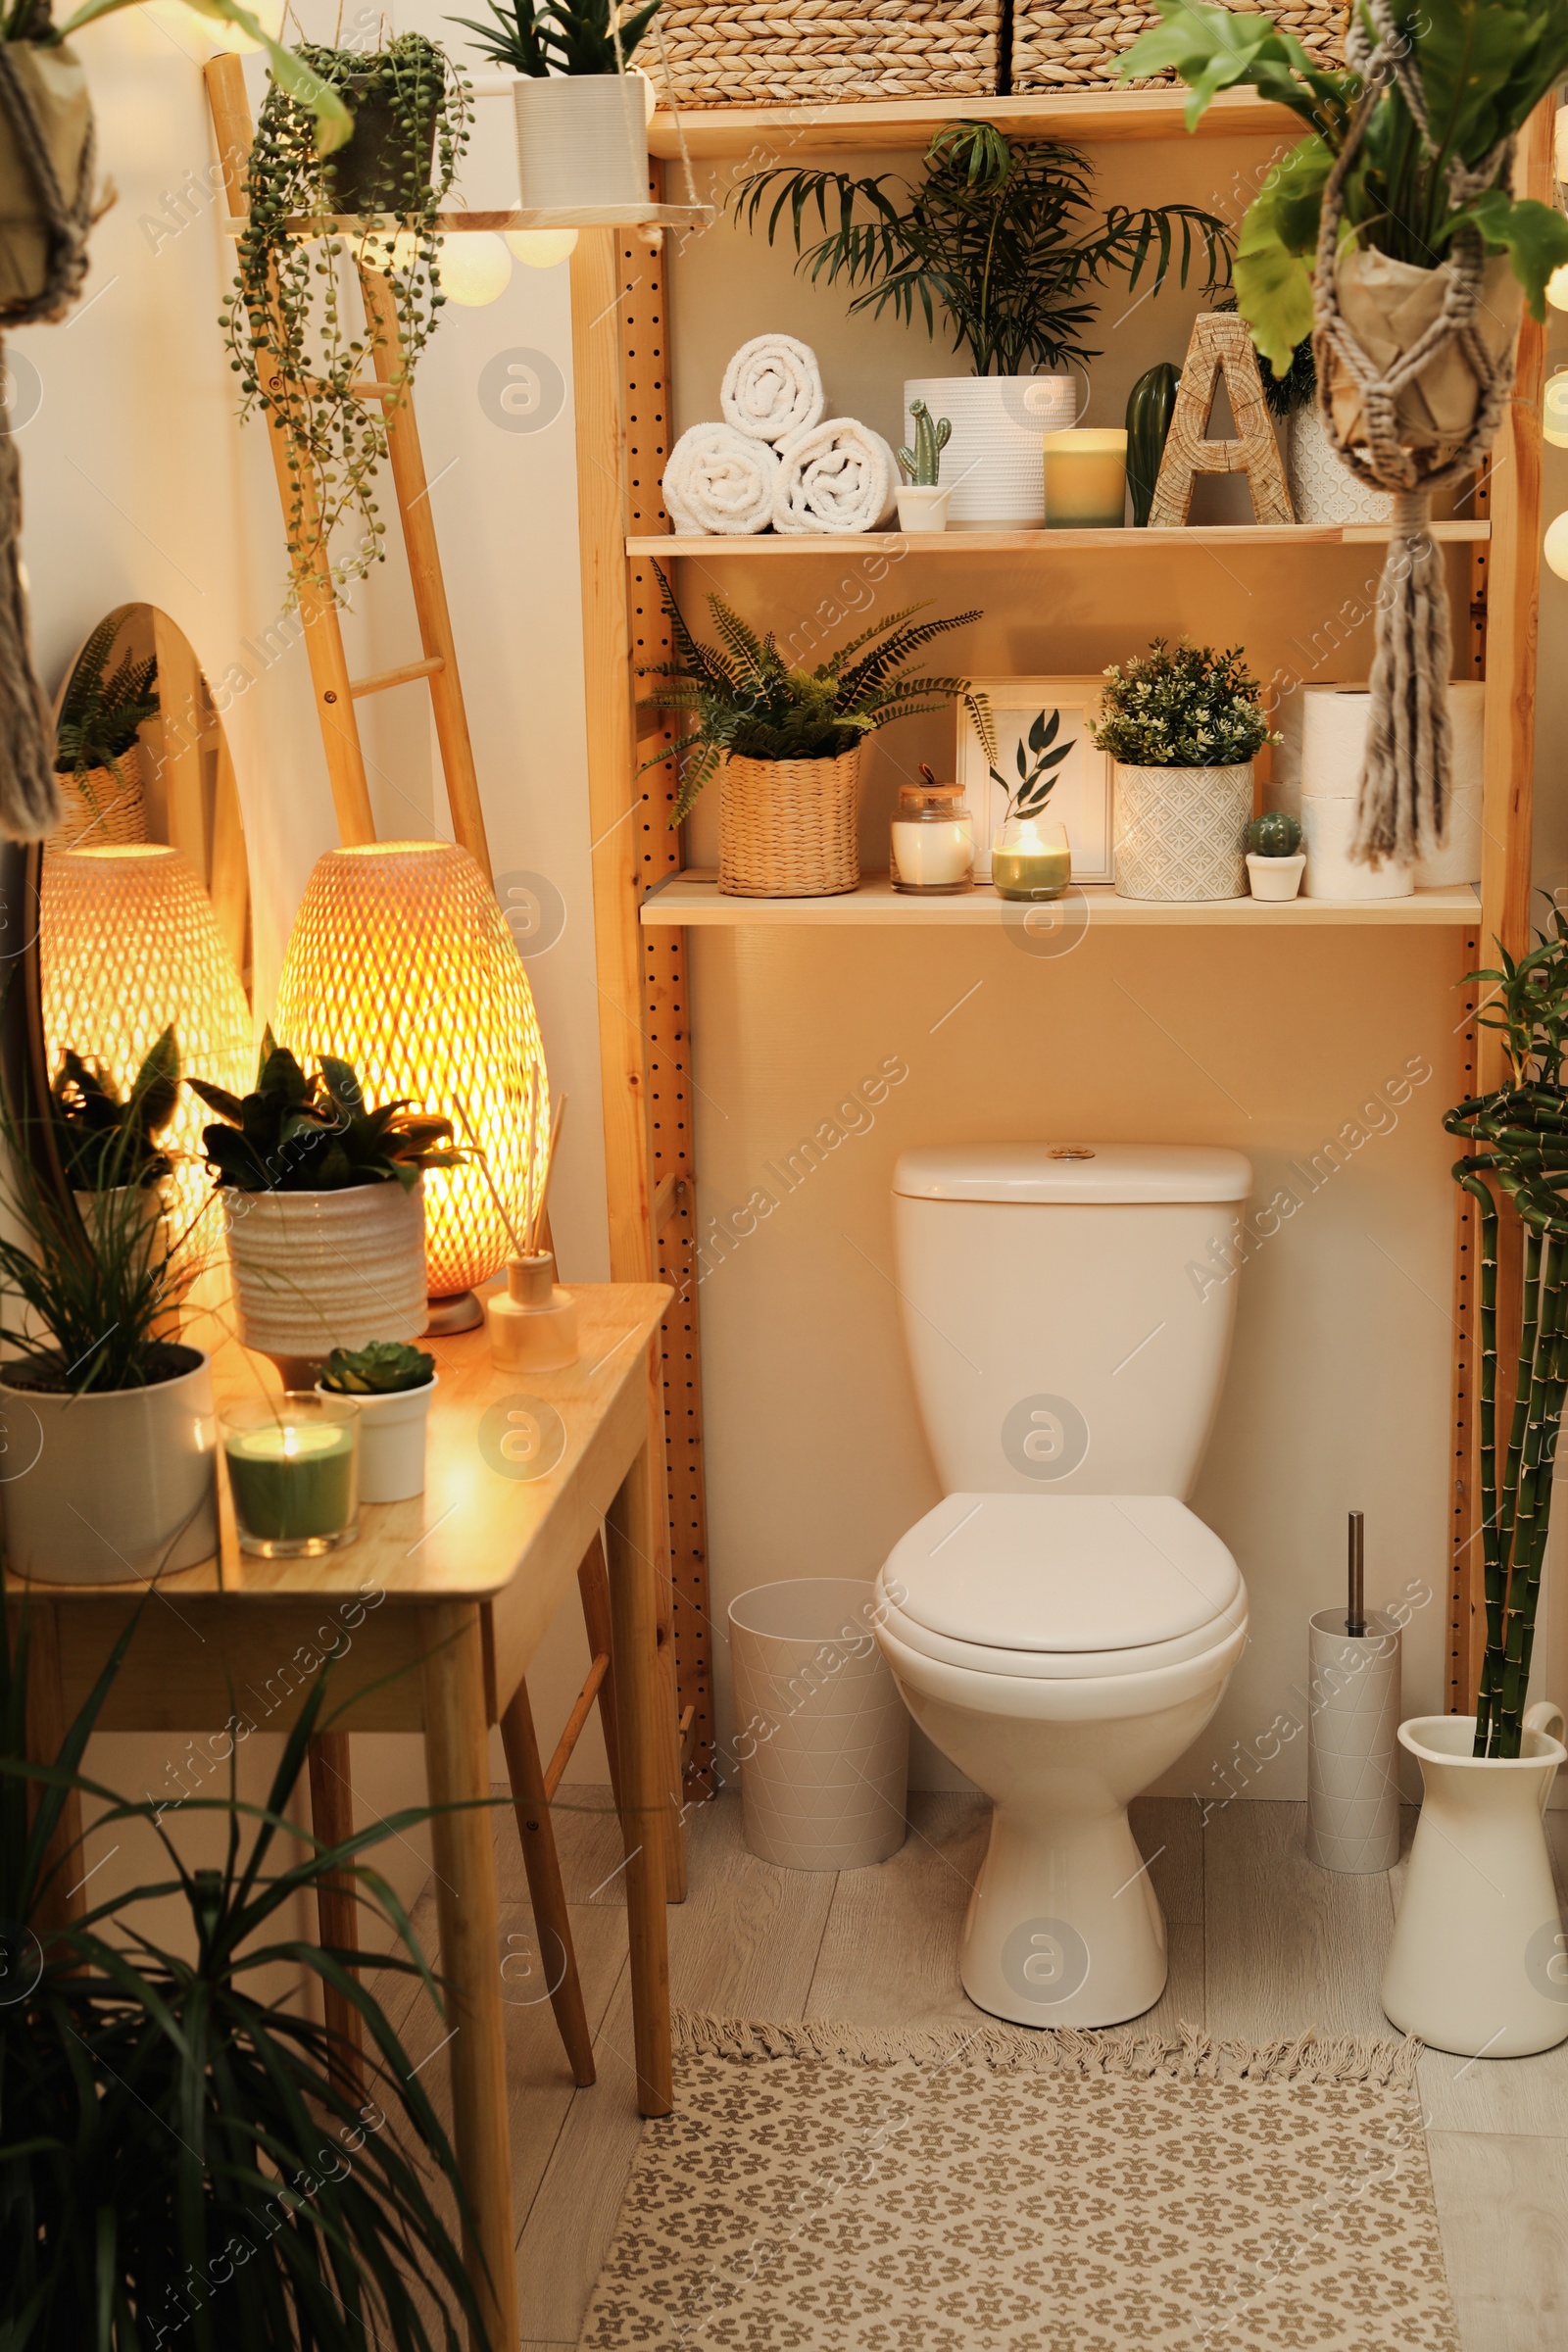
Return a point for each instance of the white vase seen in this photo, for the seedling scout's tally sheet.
(113, 1486)
(315, 1271)
(1181, 832)
(582, 141)
(1275, 878)
(392, 1433)
(1478, 1963)
(1323, 489)
(923, 507)
(995, 464)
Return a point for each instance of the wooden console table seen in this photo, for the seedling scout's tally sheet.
(448, 1595)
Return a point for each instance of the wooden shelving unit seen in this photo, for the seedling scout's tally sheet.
(645, 904)
(694, 901)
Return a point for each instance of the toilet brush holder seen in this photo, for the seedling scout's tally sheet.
(533, 1321)
(1352, 1774)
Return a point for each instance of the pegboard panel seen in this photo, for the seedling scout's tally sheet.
(1465, 1616)
(667, 1013)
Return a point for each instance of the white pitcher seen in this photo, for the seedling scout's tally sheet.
(1478, 1963)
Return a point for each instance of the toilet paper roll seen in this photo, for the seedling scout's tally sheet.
(1353, 1776)
(1333, 741)
(1459, 858)
(1328, 828)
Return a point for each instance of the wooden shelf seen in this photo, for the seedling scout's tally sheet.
(694, 899)
(793, 132)
(452, 224)
(1237, 536)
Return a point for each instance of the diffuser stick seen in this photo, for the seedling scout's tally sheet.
(1355, 1614)
(478, 1149)
(550, 1169)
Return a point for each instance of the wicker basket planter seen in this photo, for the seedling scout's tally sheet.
(787, 827)
(1181, 832)
(725, 53)
(1078, 44)
(100, 811)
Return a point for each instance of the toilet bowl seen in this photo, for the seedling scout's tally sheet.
(1061, 1626)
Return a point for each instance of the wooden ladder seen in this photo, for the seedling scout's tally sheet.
(336, 693)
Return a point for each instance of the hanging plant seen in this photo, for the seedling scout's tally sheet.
(297, 342)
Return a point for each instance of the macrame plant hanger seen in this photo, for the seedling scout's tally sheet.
(1403, 804)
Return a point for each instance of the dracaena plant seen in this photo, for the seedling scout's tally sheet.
(538, 37)
(1001, 238)
(316, 1134)
(744, 699)
(1518, 1139)
(1481, 66)
(186, 2158)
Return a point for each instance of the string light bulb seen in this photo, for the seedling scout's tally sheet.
(1556, 547)
(474, 268)
(541, 248)
(1555, 411)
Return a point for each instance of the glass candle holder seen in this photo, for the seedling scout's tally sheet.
(1032, 859)
(294, 1473)
(1086, 480)
(933, 840)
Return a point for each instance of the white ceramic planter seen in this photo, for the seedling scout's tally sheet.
(1478, 1963)
(1275, 878)
(923, 507)
(315, 1271)
(995, 465)
(582, 140)
(1181, 832)
(392, 1433)
(109, 1488)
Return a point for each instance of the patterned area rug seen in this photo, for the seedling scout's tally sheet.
(820, 2188)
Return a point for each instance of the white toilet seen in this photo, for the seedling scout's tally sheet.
(1061, 1626)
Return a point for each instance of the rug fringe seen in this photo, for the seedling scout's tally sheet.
(1059, 2051)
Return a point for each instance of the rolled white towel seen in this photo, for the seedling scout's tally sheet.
(840, 476)
(720, 482)
(773, 388)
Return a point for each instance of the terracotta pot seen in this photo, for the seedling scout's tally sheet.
(315, 1271)
(1181, 832)
(787, 827)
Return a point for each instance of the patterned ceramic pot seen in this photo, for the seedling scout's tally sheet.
(1181, 832)
(1323, 489)
(315, 1271)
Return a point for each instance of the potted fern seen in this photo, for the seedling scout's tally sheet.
(788, 743)
(1182, 725)
(581, 106)
(1001, 238)
(324, 1208)
(97, 744)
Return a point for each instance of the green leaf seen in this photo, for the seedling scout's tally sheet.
(1534, 235)
(334, 124)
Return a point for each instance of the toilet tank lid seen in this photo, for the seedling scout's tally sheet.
(1072, 1171)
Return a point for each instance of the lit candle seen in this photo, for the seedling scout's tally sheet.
(1031, 860)
(1085, 480)
(293, 1464)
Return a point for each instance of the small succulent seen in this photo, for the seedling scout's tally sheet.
(923, 462)
(315, 1135)
(106, 1141)
(1274, 835)
(382, 1369)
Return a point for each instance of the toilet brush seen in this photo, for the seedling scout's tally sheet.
(1352, 1779)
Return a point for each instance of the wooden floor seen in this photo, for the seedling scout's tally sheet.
(1262, 1945)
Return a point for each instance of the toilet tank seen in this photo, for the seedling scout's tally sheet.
(1067, 1311)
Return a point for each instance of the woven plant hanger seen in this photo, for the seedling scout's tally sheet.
(1403, 804)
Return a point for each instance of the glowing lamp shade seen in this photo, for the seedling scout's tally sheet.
(1555, 411)
(401, 962)
(474, 268)
(541, 248)
(1558, 288)
(128, 943)
(1556, 546)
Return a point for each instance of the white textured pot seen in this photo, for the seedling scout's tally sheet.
(315, 1271)
(1323, 489)
(1181, 832)
(392, 1431)
(1478, 1963)
(994, 463)
(923, 507)
(582, 140)
(110, 1487)
(1276, 880)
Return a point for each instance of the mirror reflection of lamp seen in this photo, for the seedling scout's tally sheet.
(401, 962)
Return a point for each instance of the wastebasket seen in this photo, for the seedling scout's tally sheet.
(822, 1738)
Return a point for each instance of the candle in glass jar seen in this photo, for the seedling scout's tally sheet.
(293, 1464)
(1031, 860)
(1086, 480)
(933, 839)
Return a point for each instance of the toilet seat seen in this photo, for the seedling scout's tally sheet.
(1061, 1587)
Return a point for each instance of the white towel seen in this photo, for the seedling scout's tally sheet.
(840, 476)
(720, 482)
(773, 388)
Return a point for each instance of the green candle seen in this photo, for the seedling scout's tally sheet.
(1031, 860)
(292, 1471)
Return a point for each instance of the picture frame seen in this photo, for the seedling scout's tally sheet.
(1081, 800)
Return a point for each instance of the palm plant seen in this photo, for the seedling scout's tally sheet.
(745, 699)
(538, 37)
(997, 237)
(182, 2158)
(1518, 1136)
(102, 709)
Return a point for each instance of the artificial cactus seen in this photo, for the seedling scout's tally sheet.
(923, 464)
(1274, 835)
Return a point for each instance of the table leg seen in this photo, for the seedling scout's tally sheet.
(550, 1918)
(643, 1742)
(458, 1765)
(337, 1912)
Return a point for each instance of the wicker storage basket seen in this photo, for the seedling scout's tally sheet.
(100, 811)
(738, 53)
(1078, 44)
(787, 827)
